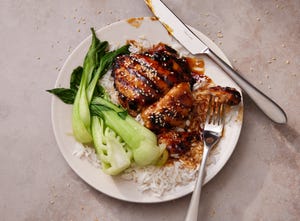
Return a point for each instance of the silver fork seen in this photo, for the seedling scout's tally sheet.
(211, 135)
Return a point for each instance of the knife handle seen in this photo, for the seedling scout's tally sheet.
(268, 106)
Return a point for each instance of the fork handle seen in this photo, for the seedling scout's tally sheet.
(268, 106)
(192, 213)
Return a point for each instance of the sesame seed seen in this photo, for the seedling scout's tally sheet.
(188, 122)
(219, 34)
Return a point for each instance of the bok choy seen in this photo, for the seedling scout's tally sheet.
(118, 138)
(140, 140)
(96, 63)
(111, 150)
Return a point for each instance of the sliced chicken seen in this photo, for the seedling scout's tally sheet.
(171, 110)
(226, 95)
(178, 142)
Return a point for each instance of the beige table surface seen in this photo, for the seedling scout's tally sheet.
(261, 181)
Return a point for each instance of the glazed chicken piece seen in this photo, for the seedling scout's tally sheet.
(226, 95)
(169, 59)
(178, 142)
(137, 85)
(142, 79)
(171, 110)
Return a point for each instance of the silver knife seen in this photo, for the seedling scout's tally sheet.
(196, 46)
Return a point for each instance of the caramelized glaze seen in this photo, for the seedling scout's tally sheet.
(171, 94)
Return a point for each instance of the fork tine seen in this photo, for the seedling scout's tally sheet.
(212, 112)
(209, 112)
(215, 112)
(221, 114)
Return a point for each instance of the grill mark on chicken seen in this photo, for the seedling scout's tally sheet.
(126, 87)
(169, 59)
(149, 72)
(132, 66)
(141, 80)
(135, 90)
(158, 73)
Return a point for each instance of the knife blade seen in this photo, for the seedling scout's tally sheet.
(195, 45)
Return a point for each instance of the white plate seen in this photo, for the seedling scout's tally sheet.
(117, 34)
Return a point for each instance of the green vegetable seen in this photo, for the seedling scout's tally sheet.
(76, 78)
(140, 140)
(96, 64)
(117, 137)
(67, 95)
(81, 120)
(110, 149)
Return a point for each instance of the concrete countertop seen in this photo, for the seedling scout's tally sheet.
(261, 181)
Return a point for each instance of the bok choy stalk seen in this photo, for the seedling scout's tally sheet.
(96, 63)
(81, 120)
(140, 140)
(114, 155)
